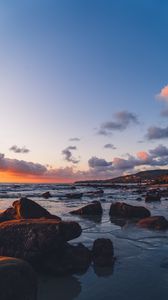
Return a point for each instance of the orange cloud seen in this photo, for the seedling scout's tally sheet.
(143, 155)
(164, 93)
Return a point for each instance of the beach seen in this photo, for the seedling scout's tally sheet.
(141, 266)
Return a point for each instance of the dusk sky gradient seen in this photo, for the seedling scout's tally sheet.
(76, 76)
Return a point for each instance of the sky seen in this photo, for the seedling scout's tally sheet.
(83, 89)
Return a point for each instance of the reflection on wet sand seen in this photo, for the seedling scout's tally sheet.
(58, 288)
(103, 272)
(93, 218)
(119, 221)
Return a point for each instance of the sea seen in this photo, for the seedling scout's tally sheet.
(140, 271)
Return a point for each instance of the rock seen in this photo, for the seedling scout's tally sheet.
(156, 222)
(103, 200)
(152, 197)
(94, 208)
(28, 209)
(103, 253)
(73, 187)
(25, 208)
(34, 238)
(46, 195)
(139, 191)
(74, 195)
(139, 199)
(164, 193)
(96, 193)
(124, 210)
(8, 214)
(69, 260)
(17, 280)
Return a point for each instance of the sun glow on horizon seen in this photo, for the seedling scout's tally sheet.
(8, 177)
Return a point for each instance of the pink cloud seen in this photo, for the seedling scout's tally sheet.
(142, 155)
(164, 93)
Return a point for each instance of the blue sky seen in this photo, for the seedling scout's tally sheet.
(67, 67)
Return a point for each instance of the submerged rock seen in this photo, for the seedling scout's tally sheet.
(35, 238)
(74, 195)
(124, 210)
(139, 199)
(17, 280)
(97, 193)
(94, 208)
(155, 222)
(46, 195)
(25, 208)
(152, 197)
(69, 260)
(103, 253)
(164, 193)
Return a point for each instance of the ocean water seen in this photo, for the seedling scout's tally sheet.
(140, 271)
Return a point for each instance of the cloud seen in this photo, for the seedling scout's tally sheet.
(122, 120)
(159, 151)
(67, 153)
(75, 139)
(164, 113)
(109, 146)
(163, 94)
(143, 155)
(124, 164)
(154, 133)
(17, 149)
(21, 166)
(95, 162)
(98, 168)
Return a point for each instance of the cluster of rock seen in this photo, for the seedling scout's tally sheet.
(140, 214)
(121, 211)
(33, 239)
(30, 234)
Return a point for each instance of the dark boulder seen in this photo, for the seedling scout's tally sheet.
(46, 195)
(124, 210)
(94, 208)
(155, 222)
(68, 260)
(103, 253)
(34, 238)
(25, 208)
(17, 280)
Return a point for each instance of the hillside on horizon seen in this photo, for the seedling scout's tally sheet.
(154, 176)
